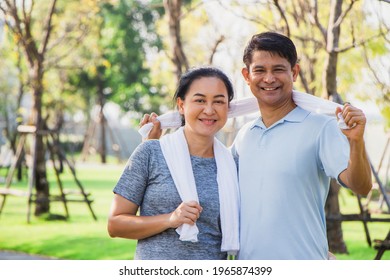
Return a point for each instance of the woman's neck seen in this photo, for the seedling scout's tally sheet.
(198, 145)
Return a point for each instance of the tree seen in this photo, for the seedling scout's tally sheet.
(35, 53)
(185, 49)
(173, 9)
(11, 93)
(115, 62)
(35, 28)
(127, 37)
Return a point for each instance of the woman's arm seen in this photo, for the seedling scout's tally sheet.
(123, 221)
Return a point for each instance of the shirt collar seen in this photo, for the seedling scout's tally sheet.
(297, 115)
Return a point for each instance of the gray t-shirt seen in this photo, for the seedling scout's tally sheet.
(147, 182)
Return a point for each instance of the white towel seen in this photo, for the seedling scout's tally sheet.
(175, 149)
(249, 105)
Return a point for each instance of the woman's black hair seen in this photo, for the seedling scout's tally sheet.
(201, 72)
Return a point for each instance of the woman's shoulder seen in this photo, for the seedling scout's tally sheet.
(146, 153)
(151, 144)
(147, 147)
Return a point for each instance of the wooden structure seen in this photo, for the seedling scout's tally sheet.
(100, 121)
(5, 158)
(365, 213)
(54, 149)
(382, 246)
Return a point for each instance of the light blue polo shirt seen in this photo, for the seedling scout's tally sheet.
(284, 180)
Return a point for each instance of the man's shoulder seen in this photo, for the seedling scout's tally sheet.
(242, 132)
(320, 120)
(248, 125)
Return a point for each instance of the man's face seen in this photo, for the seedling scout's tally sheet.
(270, 78)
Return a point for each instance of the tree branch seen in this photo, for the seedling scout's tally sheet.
(283, 15)
(191, 9)
(344, 14)
(58, 59)
(313, 16)
(214, 49)
(251, 19)
(48, 27)
(385, 89)
(361, 43)
(21, 37)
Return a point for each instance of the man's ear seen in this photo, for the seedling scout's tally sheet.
(295, 71)
(245, 73)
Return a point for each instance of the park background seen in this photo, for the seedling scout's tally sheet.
(84, 72)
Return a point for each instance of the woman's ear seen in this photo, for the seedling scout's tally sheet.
(180, 105)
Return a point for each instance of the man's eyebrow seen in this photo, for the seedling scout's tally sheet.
(279, 65)
(273, 66)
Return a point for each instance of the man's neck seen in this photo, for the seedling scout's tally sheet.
(271, 115)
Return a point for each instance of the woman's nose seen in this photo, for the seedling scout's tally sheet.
(209, 108)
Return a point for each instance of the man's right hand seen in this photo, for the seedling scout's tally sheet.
(156, 131)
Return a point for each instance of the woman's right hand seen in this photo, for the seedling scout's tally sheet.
(156, 131)
(185, 213)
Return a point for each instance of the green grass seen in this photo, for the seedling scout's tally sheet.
(353, 232)
(82, 238)
(79, 238)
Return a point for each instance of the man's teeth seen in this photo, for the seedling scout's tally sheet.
(270, 88)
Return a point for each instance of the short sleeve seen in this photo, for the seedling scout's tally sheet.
(333, 149)
(134, 179)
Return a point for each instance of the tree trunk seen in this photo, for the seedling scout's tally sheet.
(334, 229)
(41, 184)
(101, 119)
(179, 59)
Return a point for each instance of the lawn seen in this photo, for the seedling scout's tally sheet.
(82, 238)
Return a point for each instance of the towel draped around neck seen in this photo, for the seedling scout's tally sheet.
(246, 106)
(175, 150)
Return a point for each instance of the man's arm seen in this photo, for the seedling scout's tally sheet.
(357, 176)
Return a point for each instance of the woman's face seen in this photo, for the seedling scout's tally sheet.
(205, 107)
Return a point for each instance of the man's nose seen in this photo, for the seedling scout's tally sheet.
(269, 77)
